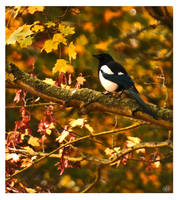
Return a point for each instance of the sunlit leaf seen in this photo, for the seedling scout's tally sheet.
(71, 51)
(62, 66)
(38, 28)
(63, 135)
(50, 24)
(50, 45)
(34, 141)
(30, 190)
(19, 34)
(66, 30)
(49, 81)
(33, 9)
(58, 37)
(26, 42)
(77, 122)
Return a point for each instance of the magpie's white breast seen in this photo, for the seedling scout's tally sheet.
(108, 85)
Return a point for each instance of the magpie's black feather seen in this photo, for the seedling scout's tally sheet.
(119, 77)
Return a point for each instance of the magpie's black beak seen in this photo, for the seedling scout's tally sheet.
(96, 56)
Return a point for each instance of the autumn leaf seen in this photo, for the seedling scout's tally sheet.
(49, 81)
(15, 157)
(63, 135)
(77, 122)
(20, 34)
(50, 45)
(34, 141)
(80, 81)
(50, 24)
(71, 51)
(26, 42)
(10, 77)
(62, 66)
(108, 15)
(38, 28)
(30, 190)
(58, 37)
(66, 30)
(33, 9)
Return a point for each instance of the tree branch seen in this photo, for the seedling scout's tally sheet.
(79, 98)
(120, 130)
(125, 151)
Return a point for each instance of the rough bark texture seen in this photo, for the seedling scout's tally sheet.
(86, 100)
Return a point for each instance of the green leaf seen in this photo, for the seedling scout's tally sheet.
(21, 33)
(26, 42)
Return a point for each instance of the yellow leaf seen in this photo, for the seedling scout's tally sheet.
(50, 24)
(58, 37)
(102, 46)
(20, 34)
(37, 28)
(34, 141)
(109, 14)
(48, 131)
(135, 140)
(50, 45)
(52, 126)
(82, 40)
(63, 135)
(30, 190)
(9, 77)
(71, 51)
(33, 9)
(87, 126)
(62, 66)
(80, 80)
(88, 26)
(77, 122)
(12, 156)
(26, 42)
(29, 149)
(49, 81)
(66, 30)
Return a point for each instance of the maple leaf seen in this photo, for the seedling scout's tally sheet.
(38, 28)
(26, 42)
(30, 190)
(33, 9)
(50, 45)
(20, 34)
(63, 135)
(50, 24)
(80, 80)
(34, 141)
(58, 37)
(71, 51)
(49, 81)
(62, 66)
(66, 30)
(78, 122)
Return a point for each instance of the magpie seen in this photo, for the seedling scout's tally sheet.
(114, 78)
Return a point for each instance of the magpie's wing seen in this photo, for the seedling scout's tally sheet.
(123, 80)
(116, 67)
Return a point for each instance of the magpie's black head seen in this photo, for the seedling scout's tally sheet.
(103, 58)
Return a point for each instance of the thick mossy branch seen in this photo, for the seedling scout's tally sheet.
(85, 99)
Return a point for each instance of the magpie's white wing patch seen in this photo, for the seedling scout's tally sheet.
(120, 73)
(107, 84)
(106, 69)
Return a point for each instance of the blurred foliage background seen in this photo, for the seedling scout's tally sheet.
(139, 38)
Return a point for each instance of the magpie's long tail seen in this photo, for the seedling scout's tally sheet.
(146, 108)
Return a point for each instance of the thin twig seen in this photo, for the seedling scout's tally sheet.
(97, 178)
(72, 142)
